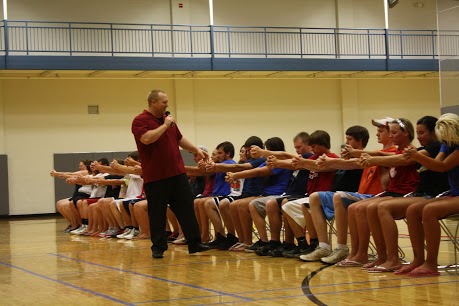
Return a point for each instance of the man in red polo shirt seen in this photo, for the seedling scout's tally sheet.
(165, 181)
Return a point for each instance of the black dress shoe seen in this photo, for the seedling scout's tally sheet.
(157, 254)
(198, 247)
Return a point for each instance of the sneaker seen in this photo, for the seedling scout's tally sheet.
(314, 244)
(68, 229)
(255, 246)
(181, 241)
(126, 232)
(230, 240)
(336, 256)
(172, 237)
(279, 250)
(134, 232)
(296, 251)
(219, 240)
(102, 234)
(76, 231)
(116, 231)
(316, 255)
(265, 250)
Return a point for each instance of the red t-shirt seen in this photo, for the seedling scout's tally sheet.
(320, 181)
(403, 179)
(161, 159)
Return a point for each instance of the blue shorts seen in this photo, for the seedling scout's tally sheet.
(326, 199)
(349, 198)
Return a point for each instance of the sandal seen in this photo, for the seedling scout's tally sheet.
(418, 272)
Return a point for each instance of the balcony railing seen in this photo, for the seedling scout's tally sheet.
(157, 40)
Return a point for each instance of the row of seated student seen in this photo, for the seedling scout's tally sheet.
(109, 202)
(365, 191)
(103, 201)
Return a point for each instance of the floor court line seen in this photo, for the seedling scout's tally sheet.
(388, 287)
(67, 284)
(298, 296)
(154, 277)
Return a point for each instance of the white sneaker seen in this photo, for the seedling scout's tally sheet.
(126, 232)
(76, 231)
(316, 255)
(336, 256)
(132, 234)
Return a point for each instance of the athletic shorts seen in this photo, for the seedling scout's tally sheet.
(78, 196)
(289, 198)
(349, 198)
(131, 201)
(92, 200)
(294, 211)
(260, 204)
(326, 199)
(217, 200)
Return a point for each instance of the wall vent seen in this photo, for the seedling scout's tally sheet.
(93, 109)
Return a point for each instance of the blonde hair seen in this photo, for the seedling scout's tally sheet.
(447, 129)
(154, 95)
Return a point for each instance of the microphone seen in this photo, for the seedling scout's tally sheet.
(168, 113)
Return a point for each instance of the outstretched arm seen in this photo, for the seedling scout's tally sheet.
(441, 163)
(257, 152)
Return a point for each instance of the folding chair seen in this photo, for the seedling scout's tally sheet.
(452, 237)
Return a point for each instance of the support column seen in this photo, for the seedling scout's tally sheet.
(448, 19)
(2, 120)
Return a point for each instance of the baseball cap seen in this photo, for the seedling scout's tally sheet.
(382, 122)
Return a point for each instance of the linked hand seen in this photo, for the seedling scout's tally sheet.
(271, 162)
(365, 160)
(346, 151)
(229, 177)
(255, 151)
(409, 153)
(114, 163)
(210, 166)
(295, 162)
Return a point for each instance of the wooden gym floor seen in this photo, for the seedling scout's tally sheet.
(40, 265)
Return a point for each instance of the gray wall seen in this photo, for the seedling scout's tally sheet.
(4, 195)
(68, 162)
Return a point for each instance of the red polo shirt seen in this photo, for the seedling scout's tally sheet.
(161, 159)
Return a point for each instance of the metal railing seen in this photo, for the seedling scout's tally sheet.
(158, 40)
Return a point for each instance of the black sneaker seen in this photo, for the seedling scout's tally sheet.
(265, 250)
(230, 240)
(255, 246)
(219, 240)
(280, 249)
(198, 247)
(296, 251)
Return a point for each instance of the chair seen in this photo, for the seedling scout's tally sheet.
(452, 236)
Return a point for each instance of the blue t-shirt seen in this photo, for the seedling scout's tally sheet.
(222, 188)
(453, 174)
(277, 183)
(254, 186)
